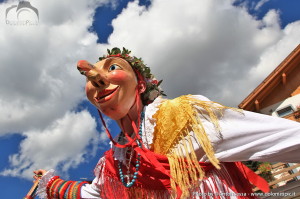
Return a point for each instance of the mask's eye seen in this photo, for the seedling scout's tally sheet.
(114, 67)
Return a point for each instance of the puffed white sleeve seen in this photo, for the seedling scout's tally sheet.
(252, 136)
(90, 190)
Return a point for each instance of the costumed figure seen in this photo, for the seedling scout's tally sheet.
(187, 147)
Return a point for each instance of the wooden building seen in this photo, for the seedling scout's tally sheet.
(279, 95)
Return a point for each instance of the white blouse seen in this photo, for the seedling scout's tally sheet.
(244, 136)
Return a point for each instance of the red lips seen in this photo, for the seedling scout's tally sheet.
(105, 95)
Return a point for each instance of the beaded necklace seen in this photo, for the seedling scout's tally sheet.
(129, 183)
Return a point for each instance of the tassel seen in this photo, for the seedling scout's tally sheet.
(175, 120)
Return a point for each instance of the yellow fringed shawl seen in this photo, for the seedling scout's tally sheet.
(175, 119)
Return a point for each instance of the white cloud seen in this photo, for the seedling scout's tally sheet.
(40, 85)
(276, 53)
(260, 4)
(39, 81)
(201, 47)
(64, 142)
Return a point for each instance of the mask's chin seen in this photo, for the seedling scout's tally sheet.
(115, 114)
(112, 109)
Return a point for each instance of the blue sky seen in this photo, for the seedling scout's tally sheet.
(211, 44)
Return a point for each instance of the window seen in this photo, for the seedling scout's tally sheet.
(285, 111)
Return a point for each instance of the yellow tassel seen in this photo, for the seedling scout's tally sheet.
(175, 120)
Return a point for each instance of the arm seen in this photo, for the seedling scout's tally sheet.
(253, 136)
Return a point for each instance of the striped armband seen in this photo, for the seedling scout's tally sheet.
(61, 189)
(74, 190)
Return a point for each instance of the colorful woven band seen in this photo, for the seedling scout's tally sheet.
(60, 189)
(49, 185)
(64, 188)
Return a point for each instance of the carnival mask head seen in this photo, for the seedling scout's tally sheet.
(117, 81)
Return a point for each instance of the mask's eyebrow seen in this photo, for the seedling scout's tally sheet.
(105, 65)
(112, 60)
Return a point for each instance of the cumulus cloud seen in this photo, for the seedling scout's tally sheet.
(61, 145)
(202, 47)
(39, 81)
(260, 4)
(40, 86)
(276, 53)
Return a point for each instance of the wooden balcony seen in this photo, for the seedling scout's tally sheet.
(283, 174)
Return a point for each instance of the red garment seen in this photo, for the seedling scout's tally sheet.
(154, 178)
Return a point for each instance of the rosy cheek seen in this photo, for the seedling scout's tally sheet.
(118, 76)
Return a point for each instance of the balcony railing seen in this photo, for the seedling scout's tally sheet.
(282, 173)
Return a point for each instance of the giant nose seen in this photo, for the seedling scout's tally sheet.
(93, 75)
(84, 67)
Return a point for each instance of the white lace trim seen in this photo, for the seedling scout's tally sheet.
(150, 122)
(99, 171)
(42, 188)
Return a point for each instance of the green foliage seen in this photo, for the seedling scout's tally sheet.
(263, 167)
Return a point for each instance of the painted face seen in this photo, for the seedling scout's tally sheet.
(111, 86)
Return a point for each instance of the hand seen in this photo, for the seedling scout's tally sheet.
(39, 173)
